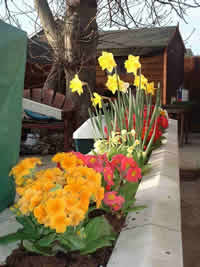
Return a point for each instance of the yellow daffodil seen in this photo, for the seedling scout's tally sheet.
(106, 61)
(114, 83)
(150, 88)
(101, 146)
(163, 112)
(141, 81)
(132, 64)
(76, 85)
(96, 100)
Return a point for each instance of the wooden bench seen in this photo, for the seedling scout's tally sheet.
(52, 99)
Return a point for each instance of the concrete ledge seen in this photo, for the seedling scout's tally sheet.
(152, 237)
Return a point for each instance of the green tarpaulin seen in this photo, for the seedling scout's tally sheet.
(13, 44)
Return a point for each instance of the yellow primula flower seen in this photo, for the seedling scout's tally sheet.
(114, 83)
(132, 64)
(150, 88)
(54, 206)
(141, 82)
(106, 61)
(96, 100)
(76, 85)
(57, 198)
(60, 223)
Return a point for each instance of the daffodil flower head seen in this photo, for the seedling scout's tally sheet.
(76, 85)
(141, 82)
(114, 83)
(137, 142)
(106, 61)
(132, 64)
(101, 146)
(124, 132)
(133, 132)
(150, 88)
(130, 150)
(163, 112)
(96, 100)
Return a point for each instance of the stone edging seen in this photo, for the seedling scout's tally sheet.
(152, 237)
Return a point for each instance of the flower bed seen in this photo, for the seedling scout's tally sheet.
(153, 234)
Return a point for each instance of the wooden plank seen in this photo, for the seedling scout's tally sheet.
(36, 94)
(164, 91)
(48, 97)
(27, 93)
(42, 109)
(154, 59)
(58, 100)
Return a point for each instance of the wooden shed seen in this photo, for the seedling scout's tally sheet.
(161, 52)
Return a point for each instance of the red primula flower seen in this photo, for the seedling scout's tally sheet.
(111, 199)
(133, 174)
(116, 161)
(94, 162)
(108, 175)
(127, 163)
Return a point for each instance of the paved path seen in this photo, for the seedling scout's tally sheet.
(190, 204)
(190, 153)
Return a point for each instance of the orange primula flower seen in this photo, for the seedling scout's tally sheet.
(54, 206)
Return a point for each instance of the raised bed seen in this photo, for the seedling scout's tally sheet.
(152, 236)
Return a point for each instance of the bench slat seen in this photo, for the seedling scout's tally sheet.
(27, 93)
(48, 97)
(36, 94)
(58, 100)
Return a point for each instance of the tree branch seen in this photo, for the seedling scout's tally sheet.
(47, 21)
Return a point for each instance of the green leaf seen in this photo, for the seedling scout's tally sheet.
(46, 241)
(72, 241)
(19, 235)
(26, 222)
(98, 228)
(4, 240)
(96, 244)
(128, 191)
(30, 246)
(136, 208)
(58, 186)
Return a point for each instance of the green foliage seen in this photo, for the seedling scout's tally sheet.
(96, 233)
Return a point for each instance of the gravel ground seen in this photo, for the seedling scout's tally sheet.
(190, 204)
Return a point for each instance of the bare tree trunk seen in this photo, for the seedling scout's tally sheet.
(74, 47)
(55, 79)
(81, 42)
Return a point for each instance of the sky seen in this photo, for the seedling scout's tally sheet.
(190, 31)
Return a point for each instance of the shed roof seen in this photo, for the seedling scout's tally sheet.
(141, 41)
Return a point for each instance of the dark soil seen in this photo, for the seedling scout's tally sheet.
(190, 208)
(21, 258)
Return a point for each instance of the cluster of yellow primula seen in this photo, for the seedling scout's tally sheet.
(24, 169)
(60, 197)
